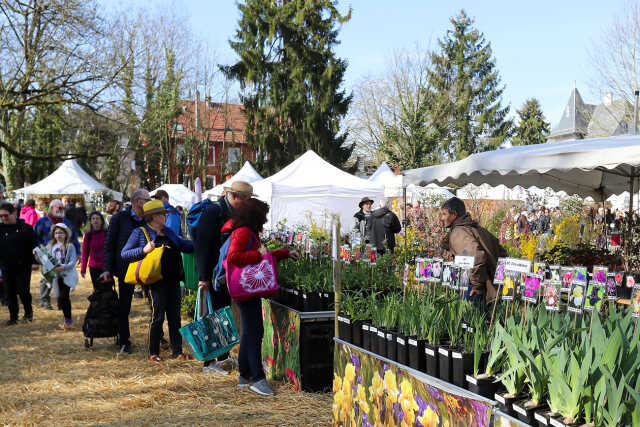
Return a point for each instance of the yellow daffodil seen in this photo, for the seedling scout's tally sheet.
(349, 373)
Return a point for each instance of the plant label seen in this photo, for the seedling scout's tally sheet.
(509, 288)
(580, 274)
(540, 268)
(519, 410)
(611, 287)
(373, 255)
(566, 274)
(466, 262)
(446, 274)
(471, 380)
(436, 269)
(498, 277)
(443, 351)
(541, 419)
(595, 295)
(631, 280)
(576, 297)
(499, 398)
(554, 274)
(365, 327)
(413, 342)
(405, 276)
(552, 297)
(400, 341)
(518, 265)
(456, 355)
(635, 302)
(600, 274)
(532, 285)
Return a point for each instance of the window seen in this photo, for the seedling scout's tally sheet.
(177, 127)
(233, 155)
(212, 155)
(209, 182)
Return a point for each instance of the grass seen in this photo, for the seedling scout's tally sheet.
(49, 378)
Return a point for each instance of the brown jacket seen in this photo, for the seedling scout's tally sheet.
(466, 237)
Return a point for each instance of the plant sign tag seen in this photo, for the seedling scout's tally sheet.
(518, 265)
(463, 261)
(510, 283)
(576, 297)
(566, 274)
(580, 274)
(532, 285)
(554, 274)
(611, 286)
(447, 268)
(436, 269)
(540, 268)
(373, 255)
(420, 269)
(552, 297)
(405, 276)
(635, 302)
(600, 274)
(498, 278)
(595, 295)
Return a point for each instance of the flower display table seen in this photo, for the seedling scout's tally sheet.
(370, 390)
(298, 346)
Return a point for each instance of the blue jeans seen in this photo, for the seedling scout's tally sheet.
(250, 354)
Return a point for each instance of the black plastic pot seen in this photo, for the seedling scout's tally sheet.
(524, 413)
(485, 387)
(382, 342)
(296, 302)
(444, 364)
(311, 301)
(344, 327)
(327, 299)
(431, 360)
(356, 332)
(366, 336)
(402, 356)
(542, 417)
(392, 347)
(415, 349)
(462, 365)
(505, 403)
(373, 339)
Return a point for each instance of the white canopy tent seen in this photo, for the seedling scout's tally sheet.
(68, 179)
(247, 173)
(597, 167)
(310, 185)
(179, 195)
(393, 185)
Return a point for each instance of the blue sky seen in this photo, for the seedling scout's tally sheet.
(541, 47)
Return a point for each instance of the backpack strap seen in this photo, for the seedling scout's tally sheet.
(144, 230)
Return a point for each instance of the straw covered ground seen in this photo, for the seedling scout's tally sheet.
(47, 377)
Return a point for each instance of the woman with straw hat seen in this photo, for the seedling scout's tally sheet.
(165, 294)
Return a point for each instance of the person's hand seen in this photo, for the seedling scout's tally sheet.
(59, 269)
(105, 277)
(474, 292)
(294, 255)
(262, 250)
(204, 285)
(148, 247)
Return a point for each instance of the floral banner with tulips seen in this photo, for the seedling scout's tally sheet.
(281, 342)
(367, 391)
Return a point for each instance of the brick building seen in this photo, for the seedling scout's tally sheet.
(210, 132)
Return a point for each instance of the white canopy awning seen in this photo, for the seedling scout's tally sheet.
(597, 167)
(247, 173)
(68, 179)
(179, 195)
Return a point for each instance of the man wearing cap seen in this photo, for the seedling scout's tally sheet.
(364, 221)
(120, 228)
(207, 240)
(173, 216)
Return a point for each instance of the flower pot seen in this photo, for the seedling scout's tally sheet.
(311, 301)
(382, 342)
(344, 327)
(525, 411)
(415, 349)
(402, 356)
(356, 332)
(462, 365)
(391, 344)
(296, 300)
(366, 336)
(328, 298)
(373, 339)
(484, 386)
(431, 362)
(542, 417)
(505, 402)
(444, 363)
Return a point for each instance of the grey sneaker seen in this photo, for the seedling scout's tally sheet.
(262, 387)
(215, 367)
(243, 382)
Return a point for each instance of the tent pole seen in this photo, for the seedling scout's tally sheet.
(405, 222)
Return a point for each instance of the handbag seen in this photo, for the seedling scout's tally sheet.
(212, 335)
(148, 270)
(252, 280)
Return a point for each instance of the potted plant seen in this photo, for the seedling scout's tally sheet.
(512, 377)
(486, 384)
(453, 319)
(463, 359)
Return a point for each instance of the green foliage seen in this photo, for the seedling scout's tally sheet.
(532, 128)
(467, 92)
(188, 304)
(292, 79)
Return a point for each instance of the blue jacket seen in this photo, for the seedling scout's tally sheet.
(120, 228)
(174, 221)
(43, 231)
(132, 251)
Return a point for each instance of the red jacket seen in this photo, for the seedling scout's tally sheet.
(238, 253)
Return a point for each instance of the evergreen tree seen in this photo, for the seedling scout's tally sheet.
(468, 115)
(291, 79)
(532, 128)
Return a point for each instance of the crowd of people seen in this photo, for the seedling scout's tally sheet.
(128, 234)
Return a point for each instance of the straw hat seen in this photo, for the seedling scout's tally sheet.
(240, 187)
(153, 207)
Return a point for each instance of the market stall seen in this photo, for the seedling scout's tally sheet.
(247, 173)
(179, 195)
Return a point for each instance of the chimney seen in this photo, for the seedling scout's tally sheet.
(197, 109)
(608, 98)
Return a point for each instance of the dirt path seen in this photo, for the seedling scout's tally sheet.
(47, 377)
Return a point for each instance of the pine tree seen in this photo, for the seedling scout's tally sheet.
(532, 128)
(467, 107)
(291, 79)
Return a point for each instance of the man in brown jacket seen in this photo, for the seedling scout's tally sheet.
(466, 237)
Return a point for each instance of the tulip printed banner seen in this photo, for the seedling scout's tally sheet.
(368, 392)
(281, 342)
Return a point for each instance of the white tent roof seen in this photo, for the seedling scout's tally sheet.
(247, 173)
(179, 195)
(312, 185)
(597, 167)
(69, 178)
(392, 183)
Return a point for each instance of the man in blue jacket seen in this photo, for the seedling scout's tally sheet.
(42, 229)
(120, 228)
(173, 216)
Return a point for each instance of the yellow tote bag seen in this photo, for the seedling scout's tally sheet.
(148, 270)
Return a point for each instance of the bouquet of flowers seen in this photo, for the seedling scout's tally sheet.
(48, 262)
